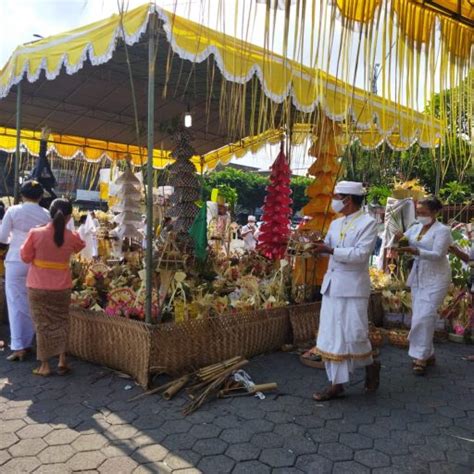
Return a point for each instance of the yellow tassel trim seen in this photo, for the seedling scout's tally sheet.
(342, 357)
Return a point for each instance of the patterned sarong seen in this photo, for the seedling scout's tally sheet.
(50, 313)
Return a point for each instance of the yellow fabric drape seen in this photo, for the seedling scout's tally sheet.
(360, 10)
(238, 62)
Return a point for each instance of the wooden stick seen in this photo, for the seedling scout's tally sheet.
(237, 391)
(152, 391)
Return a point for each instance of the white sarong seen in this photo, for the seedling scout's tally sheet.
(343, 337)
(21, 325)
(425, 304)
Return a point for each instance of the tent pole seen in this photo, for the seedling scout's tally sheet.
(149, 168)
(16, 190)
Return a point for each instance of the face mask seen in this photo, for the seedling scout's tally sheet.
(337, 205)
(423, 220)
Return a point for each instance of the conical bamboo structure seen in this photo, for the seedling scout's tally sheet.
(326, 168)
(128, 206)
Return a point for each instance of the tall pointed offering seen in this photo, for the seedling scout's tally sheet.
(183, 178)
(129, 193)
(275, 230)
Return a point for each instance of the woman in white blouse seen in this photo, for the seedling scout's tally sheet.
(430, 277)
(16, 224)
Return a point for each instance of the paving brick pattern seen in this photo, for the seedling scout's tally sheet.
(85, 423)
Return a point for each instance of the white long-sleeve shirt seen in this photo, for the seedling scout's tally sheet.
(431, 267)
(17, 222)
(353, 240)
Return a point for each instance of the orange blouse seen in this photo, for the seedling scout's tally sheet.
(49, 269)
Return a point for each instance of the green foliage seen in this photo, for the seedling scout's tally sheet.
(250, 188)
(378, 194)
(455, 193)
(298, 187)
(460, 274)
(230, 195)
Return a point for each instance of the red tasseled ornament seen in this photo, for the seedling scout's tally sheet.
(275, 230)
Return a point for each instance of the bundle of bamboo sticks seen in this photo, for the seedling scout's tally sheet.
(213, 381)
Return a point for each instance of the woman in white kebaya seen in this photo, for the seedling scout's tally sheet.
(16, 224)
(430, 277)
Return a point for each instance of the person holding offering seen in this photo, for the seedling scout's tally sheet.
(429, 242)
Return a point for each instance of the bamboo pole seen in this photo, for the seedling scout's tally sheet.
(16, 185)
(149, 168)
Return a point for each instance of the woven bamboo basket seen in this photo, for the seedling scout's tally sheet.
(117, 343)
(196, 343)
(304, 321)
(398, 337)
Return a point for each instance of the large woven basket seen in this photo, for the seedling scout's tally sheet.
(195, 343)
(115, 342)
(304, 321)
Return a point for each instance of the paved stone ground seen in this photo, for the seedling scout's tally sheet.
(84, 423)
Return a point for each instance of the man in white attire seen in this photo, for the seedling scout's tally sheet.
(343, 340)
(249, 234)
(17, 222)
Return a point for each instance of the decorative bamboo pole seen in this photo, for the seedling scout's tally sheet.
(310, 272)
(16, 188)
(149, 167)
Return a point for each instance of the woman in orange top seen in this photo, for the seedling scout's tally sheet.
(48, 250)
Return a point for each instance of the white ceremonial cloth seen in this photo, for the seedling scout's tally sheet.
(343, 339)
(429, 280)
(399, 216)
(16, 224)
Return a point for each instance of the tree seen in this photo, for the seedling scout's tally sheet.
(250, 188)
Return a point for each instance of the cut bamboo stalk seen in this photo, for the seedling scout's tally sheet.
(227, 370)
(212, 387)
(264, 387)
(175, 388)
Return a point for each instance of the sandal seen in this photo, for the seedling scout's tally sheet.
(419, 367)
(372, 377)
(19, 356)
(310, 359)
(39, 373)
(64, 370)
(328, 394)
